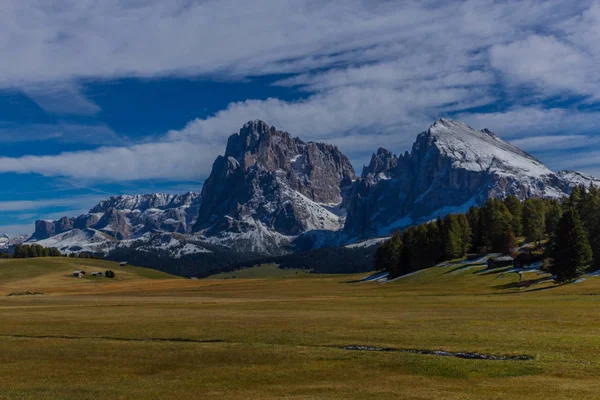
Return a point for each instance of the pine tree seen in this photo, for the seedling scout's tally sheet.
(515, 207)
(576, 195)
(434, 243)
(419, 258)
(454, 236)
(510, 242)
(32, 251)
(474, 217)
(589, 211)
(496, 219)
(553, 214)
(571, 253)
(465, 234)
(387, 255)
(534, 224)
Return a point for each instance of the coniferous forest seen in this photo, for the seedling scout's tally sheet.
(34, 251)
(564, 234)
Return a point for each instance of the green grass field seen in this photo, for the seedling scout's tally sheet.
(261, 271)
(147, 336)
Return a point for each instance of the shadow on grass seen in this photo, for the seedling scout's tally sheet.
(526, 284)
(492, 271)
(355, 281)
(464, 267)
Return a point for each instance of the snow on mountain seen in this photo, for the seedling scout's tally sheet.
(273, 194)
(125, 217)
(269, 188)
(78, 241)
(97, 242)
(6, 242)
(574, 178)
(451, 167)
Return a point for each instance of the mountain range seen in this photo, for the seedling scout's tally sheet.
(274, 194)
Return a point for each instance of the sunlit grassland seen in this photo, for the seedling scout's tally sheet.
(270, 338)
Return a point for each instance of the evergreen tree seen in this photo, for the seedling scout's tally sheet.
(552, 217)
(534, 224)
(32, 251)
(510, 242)
(419, 257)
(387, 256)
(434, 243)
(571, 253)
(576, 195)
(515, 207)
(495, 221)
(453, 237)
(465, 234)
(474, 217)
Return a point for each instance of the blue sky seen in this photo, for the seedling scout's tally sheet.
(124, 97)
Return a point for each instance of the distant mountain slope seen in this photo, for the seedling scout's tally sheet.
(450, 168)
(125, 217)
(273, 195)
(7, 242)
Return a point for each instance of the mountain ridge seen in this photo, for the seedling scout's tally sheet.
(273, 194)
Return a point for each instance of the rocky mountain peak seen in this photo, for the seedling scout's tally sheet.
(259, 142)
(382, 161)
(451, 167)
(268, 179)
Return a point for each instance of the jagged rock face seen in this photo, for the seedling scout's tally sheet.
(123, 217)
(451, 167)
(85, 221)
(64, 224)
(45, 229)
(143, 202)
(382, 161)
(114, 223)
(270, 179)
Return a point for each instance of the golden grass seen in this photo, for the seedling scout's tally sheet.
(279, 338)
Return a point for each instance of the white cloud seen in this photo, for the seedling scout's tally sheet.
(375, 73)
(546, 62)
(145, 161)
(60, 131)
(559, 142)
(522, 122)
(32, 205)
(61, 98)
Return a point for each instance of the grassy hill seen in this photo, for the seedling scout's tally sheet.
(54, 274)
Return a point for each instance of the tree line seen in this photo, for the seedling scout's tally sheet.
(34, 251)
(568, 231)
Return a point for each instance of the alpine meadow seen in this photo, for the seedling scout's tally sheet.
(284, 199)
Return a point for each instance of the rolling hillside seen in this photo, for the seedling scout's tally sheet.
(54, 275)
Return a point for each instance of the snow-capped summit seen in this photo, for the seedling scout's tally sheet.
(450, 168)
(476, 150)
